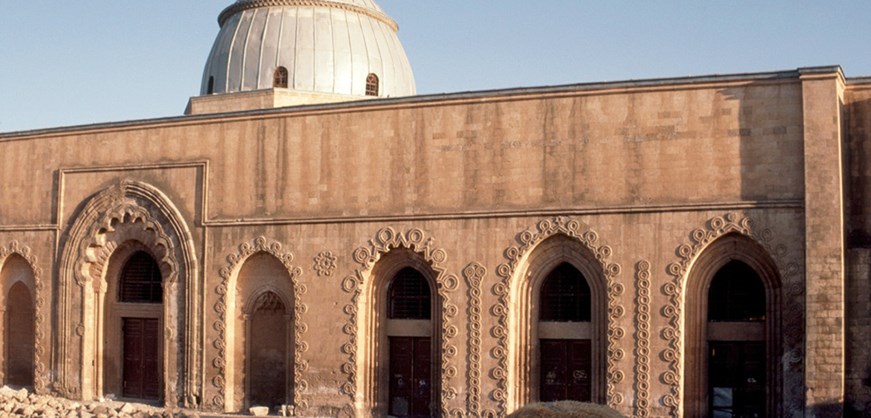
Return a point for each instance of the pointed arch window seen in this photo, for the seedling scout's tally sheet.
(565, 296)
(736, 343)
(564, 336)
(409, 296)
(279, 78)
(141, 281)
(411, 348)
(372, 85)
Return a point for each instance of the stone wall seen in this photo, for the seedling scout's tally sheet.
(642, 179)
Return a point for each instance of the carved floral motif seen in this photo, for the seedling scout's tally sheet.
(325, 263)
(474, 274)
(642, 344)
(234, 262)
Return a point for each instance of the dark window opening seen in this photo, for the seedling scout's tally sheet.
(409, 296)
(565, 296)
(279, 78)
(211, 87)
(736, 295)
(141, 281)
(372, 85)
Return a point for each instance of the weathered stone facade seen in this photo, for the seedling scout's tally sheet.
(276, 234)
(641, 184)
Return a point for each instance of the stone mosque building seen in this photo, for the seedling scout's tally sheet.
(314, 237)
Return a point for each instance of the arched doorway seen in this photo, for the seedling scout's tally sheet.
(558, 325)
(564, 336)
(736, 343)
(733, 330)
(133, 354)
(19, 336)
(409, 333)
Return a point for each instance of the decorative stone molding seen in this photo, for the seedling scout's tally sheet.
(642, 343)
(325, 263)
(701, 238)
(474, 274)
(235, 261)
(528, 241)
(366, 257)
(252, 4)
(128, 211)
(40, 384)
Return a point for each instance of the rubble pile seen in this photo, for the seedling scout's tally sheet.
(21, 403)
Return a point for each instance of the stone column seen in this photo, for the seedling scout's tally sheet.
(822, 96)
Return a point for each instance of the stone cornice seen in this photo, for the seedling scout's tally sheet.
(253, 4)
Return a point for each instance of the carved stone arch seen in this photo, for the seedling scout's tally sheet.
(129, 211)
(420, 252)
(224, 308)
(251, 301)
(731, 237)
(40, 374)
(539, 249)
(729, 247)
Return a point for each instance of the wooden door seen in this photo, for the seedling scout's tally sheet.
(736, 384)
(140, 353)
(410, 377)
(566, 372)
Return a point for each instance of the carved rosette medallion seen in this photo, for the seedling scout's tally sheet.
(366, 256)
(528, 240)
(39, 380)
(234, 262)
(325, 263)
(715, 228)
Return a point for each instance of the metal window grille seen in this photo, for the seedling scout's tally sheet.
(372, 85)
(565, 296)
(141, 280)
(279, 79)
(409, 296)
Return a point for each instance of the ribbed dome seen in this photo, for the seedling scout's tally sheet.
(328, 47)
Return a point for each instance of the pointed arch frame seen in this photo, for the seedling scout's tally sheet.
(229, 274)
(790, 294)
(361, 322)
(127, 211)
(510, 391)
(40, 376)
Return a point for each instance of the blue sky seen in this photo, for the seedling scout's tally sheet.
(78, 62)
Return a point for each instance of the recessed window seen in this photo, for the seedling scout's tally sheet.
(279, 78)
(408, 296)
(211, 86)
(141, 280)
(565, 296)
(372, 85)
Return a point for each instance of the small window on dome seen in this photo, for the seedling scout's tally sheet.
(211, 88)
(279, 79)
(372, 85)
